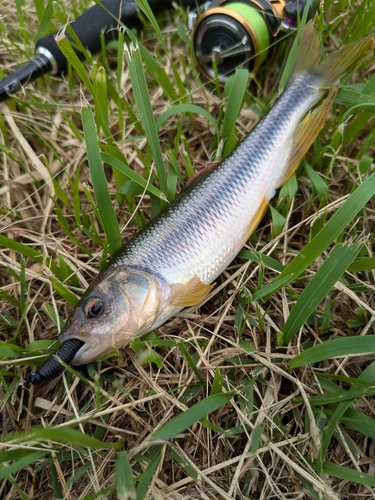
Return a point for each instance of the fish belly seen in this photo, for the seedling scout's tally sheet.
(204, 229)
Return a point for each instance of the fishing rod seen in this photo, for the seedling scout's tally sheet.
(101, 19)
(226, 34)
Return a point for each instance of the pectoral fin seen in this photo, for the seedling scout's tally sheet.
(190, 294)
(306, 133)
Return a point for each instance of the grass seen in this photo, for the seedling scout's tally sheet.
(264, 391)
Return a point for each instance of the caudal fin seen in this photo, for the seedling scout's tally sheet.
(326, 73)
(335, 65)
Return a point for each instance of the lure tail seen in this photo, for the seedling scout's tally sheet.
(52, 367)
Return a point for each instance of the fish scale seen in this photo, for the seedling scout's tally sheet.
(172, 263)
(215, 214)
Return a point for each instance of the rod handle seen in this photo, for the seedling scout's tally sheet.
(89, 28)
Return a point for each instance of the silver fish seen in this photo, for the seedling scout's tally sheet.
(173, 261)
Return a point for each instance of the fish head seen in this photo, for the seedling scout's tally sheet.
(114, 310)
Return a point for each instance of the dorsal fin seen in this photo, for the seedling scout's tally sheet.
(198, 175)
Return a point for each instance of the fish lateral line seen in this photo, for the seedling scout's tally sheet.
(189, 267)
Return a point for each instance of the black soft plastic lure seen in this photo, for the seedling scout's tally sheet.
(51, 368)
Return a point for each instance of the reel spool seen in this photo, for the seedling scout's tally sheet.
(233, 33)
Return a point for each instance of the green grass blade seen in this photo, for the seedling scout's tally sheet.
(217, 383)
(337, 416)
(189, 417)
(274, 286)
(360, 422)
(8, 350)
(125, 486)
(186, 467)
(187, 108)
(317, 181)
(146, 355)
(79, 473)
(101, 101)
(342, 346)
(326, 236)
(142, 99)
(145, 478)
(157, 71)
(261, 258)
(39, 345)
(20, 464)
(235, 89)
(108, 217)
(45, 21)
(146, 9)
(350, 475)
(63, 435)
(56, 484)
(329, 399)
(351, 95)
(190, 360)
(278, 221)
(322, 283)
(133, 176)
(25, 250)
(362, 264)
(63, 291)
(66, 48)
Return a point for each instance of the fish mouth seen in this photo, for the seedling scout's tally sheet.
(87, 352)
(69, 349)
(83, 345)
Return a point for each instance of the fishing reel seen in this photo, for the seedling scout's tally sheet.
(241, 33)
(226, 34)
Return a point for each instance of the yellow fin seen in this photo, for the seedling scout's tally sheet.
(257, 217)
(309, 52)
(190, 294)
(336, 64)
(307, 131)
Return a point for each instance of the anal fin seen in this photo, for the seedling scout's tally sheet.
(257, 217)
(190, 294)
(306, 133)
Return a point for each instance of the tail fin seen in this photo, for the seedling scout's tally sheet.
(327, 73)
(335, 65)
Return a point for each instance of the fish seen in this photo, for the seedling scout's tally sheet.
(173, 262)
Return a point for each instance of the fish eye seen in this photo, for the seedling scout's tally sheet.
(93, 307)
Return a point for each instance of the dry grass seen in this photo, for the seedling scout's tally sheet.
(260, 445)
